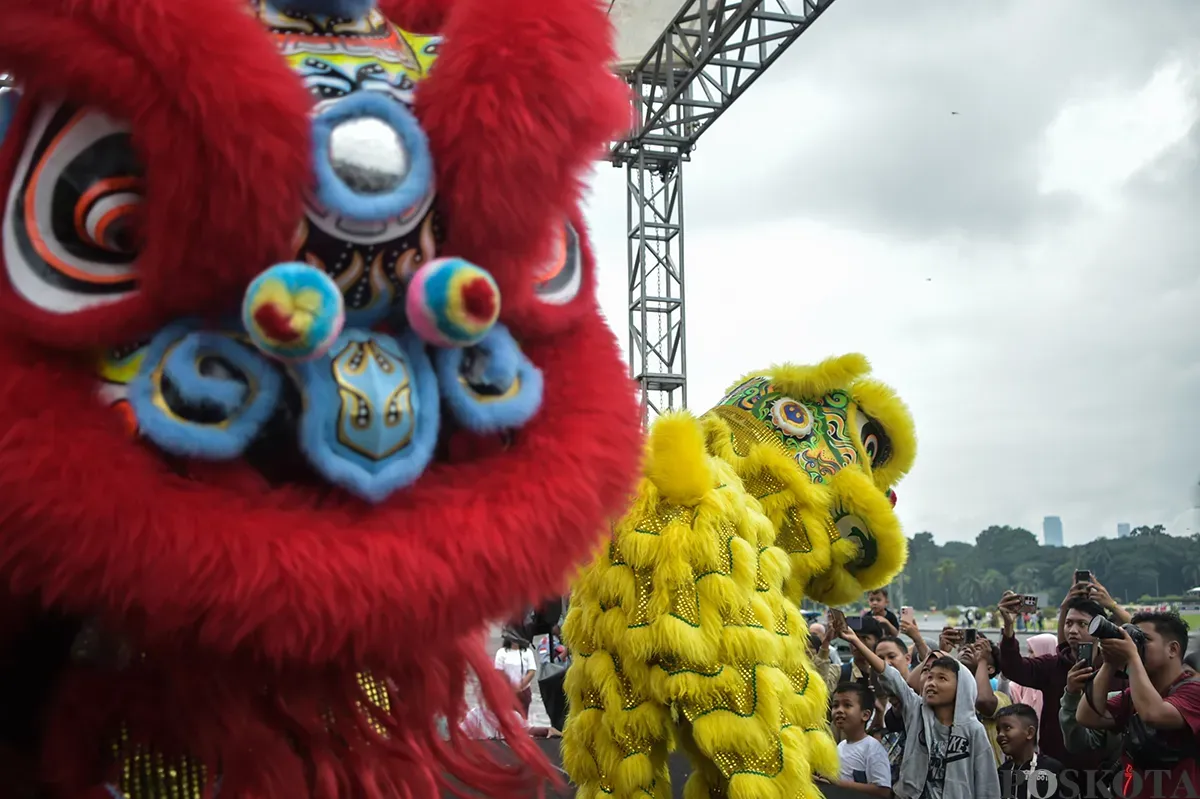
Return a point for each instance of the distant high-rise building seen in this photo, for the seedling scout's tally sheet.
(1052, 531)
(1123, 530)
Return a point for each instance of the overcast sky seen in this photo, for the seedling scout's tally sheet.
(1025, 272)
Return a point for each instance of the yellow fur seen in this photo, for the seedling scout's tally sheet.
(685, 627)
(812, 382)
(676, 460)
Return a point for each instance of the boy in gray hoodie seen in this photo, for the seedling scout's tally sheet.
(948, 755)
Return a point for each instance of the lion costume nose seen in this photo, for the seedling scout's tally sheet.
(370, 158)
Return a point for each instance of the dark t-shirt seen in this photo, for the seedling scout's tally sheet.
(1186, 699)
(1014, 785)
(887, 614)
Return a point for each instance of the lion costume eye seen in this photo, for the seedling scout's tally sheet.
(561, 276)
(70, 225)
(876, 444)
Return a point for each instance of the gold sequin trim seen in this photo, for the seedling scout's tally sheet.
(832, 530)
(746, 617)
(767, 764)
(147, 774)
(781, 623)
(799, 680)
(793, 537)
(760, 582)
(745, 431)
(592, 700)
(685, 605)
(663, 516)
(376, 693)
(744, 698)
(727, 531)
(763, 484)
(643, 587)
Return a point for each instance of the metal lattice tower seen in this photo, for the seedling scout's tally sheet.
(710, 53)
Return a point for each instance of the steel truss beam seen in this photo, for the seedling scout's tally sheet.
(657, 358)
(710, 53)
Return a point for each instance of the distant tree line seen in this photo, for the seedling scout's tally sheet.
(1149, 563)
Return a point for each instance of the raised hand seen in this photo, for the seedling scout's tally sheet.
(1078, 676)
(950, 638)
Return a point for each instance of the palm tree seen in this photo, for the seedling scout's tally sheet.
(945, 571)
(991, 585)
(1026, 579)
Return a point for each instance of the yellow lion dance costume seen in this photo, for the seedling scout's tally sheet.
(686, 628)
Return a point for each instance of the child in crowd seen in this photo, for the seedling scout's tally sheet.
(865, 767)
(894, 652)
(1017, 732)
(947, 755)
(879, 610)
(981, 658)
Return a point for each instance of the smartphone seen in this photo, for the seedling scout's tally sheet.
(907, 614)
(1029, 604)
(969, 636)
(836, 616)
(1086, 653)
(1083, 576)
(854, 622)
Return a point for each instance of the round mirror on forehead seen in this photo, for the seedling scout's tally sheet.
(368, 156)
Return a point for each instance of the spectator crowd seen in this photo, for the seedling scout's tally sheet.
(1107, 706)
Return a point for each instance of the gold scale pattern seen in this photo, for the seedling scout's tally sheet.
(149, 774)
(741, 682)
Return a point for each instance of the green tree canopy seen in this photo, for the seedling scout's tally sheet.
(1148, 562)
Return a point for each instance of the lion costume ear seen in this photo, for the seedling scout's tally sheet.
(212, 111)
(897, 450)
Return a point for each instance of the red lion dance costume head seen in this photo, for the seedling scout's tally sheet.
(303, 380)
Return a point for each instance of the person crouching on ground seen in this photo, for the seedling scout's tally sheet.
(864, 762)
(1017, 733)
(947, 755)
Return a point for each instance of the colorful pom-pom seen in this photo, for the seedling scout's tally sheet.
(293, 312)
(452, 303)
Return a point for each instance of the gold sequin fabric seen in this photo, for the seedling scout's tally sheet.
(683, 638)
(148, 774)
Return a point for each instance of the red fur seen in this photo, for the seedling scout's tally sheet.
(256, 606)
(355, 748)
(418, 16)
(516, 110)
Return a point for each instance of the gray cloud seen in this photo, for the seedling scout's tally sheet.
(856, 126)
(1046, 343)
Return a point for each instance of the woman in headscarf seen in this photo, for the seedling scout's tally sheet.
(1036, 646)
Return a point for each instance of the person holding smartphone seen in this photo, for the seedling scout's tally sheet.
(1076, 737)
(1048, 673)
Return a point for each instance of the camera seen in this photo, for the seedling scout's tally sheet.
(1102, 629)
